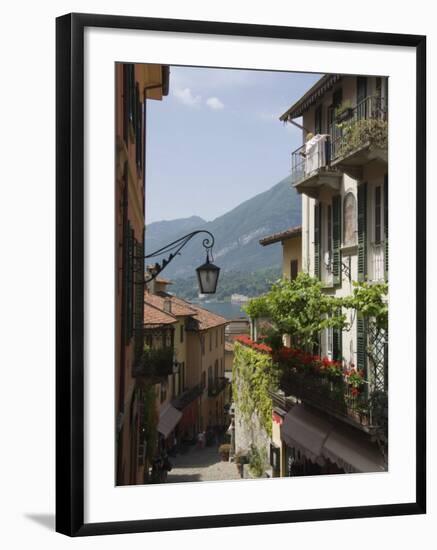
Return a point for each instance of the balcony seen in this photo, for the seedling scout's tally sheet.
(359, 136)
(333, 397)
(155, 363)
(216, 386)
(310, 167)
(376, 256)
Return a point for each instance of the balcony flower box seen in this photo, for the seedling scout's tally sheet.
(345, 114)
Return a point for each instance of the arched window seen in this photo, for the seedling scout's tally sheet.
(349, 220)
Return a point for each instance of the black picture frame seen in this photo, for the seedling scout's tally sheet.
(70, 273)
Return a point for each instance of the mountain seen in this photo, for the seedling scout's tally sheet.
(163, 232)
(236, 233)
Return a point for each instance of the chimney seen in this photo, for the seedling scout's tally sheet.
(167, 305)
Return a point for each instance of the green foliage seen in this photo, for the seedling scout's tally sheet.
(299, 308)
(359, 132)
(343, 107)
(150, 420)
(370, 299)
(254, 374)
(257, 463)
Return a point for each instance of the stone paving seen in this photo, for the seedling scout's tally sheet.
(201, 465)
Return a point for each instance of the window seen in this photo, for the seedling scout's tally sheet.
(293, 269)
(349, 220)
(209, 376)
(337, 97)
(329, 231)
(203, 381)
(377, 226)
(216, 373)
(181, 333)
(361, 97)
(329, 342)
(318, 120)
(216, 338)
(182, 376)
(210, 341)
(163, 393)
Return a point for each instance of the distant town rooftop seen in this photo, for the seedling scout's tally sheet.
(310, 97)
(155, 317)
(290, 233)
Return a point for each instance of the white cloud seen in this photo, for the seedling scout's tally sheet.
(214, 103)
(185, 96)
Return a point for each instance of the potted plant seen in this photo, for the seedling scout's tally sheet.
(224, 451)
(344, 111)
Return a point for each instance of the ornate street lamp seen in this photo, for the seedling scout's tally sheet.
(207, 273)
(207, 276)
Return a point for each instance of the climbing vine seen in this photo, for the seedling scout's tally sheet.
(254, 374)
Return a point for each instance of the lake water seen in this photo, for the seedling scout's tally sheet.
(228, 310)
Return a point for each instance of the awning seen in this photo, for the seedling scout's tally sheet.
(319, 439)
(307, 430)
(351, 451)
(168, 420)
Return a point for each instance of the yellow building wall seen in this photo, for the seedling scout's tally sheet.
(291, 250)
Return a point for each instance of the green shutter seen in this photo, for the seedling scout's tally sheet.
(317, 240)
(362, 231)
(337, 344)
(362, 344)
(336, 239)
(386, 226)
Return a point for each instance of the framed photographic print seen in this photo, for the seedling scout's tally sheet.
(240, 274)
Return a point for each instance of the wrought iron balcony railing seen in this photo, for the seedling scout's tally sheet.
(155, 363)
(333, 397)
(306, 160)
(217, 386)
(358, 126)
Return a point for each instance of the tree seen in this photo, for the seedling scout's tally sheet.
(299, 308)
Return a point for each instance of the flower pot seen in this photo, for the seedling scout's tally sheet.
(345, 115)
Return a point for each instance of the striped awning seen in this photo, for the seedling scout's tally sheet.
(168, 420)
(312, 95)
(306, 430)
(319, 439)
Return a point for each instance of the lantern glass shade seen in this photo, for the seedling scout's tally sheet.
(207, 276)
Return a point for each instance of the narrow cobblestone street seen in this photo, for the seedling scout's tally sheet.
(201, 465)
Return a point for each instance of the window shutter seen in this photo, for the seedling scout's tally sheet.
(317, 239)
(139, 299)
(386, 226)
(362, 344)
(138, 127)
(129, 282)
(362, 231)
(336, 239)
(337, 344)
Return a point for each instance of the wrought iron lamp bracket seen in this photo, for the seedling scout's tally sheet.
(174, 249)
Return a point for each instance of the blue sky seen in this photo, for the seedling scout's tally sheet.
(216, 139)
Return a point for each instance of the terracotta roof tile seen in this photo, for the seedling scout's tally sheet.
(156, 316)
(178, 307)
(282, 236)
(206, 319)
